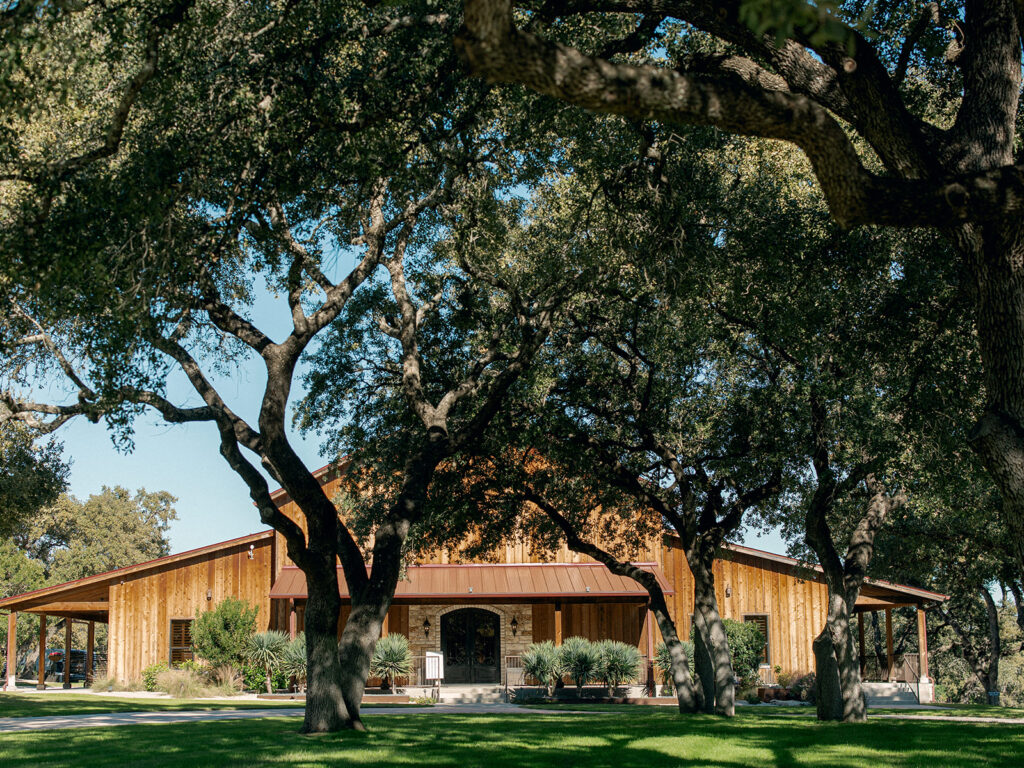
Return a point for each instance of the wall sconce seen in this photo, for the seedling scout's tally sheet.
(252, 551)
(728, 591)
(514, 626)
(209, 594)
(426, 628)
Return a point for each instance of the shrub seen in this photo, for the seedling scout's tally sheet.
(391, 658)
(293, 660)
(785, 679)
(542, 661)
(181, 683)
(579, 659)
(254, 678)
(150, 673)
(227, 679)
(746, 645)
(618, 662)
(219, 635)
(663, 663)
(803, 689)
(265, 650)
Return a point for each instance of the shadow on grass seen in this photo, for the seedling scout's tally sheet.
(57, 704)
(644, 739)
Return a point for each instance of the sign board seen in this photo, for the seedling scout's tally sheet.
(434, 666)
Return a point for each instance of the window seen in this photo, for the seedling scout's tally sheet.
(761, 621)
(181, 641)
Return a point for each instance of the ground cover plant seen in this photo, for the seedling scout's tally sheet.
(648, 738)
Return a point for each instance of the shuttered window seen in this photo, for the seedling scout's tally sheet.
(761, 621)
(181, 641)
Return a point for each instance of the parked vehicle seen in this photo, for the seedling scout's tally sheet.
(55, 665)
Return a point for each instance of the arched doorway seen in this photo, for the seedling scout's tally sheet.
(471, 642)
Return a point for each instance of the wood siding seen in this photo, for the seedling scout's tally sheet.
(142, 605)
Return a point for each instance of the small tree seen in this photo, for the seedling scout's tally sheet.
(542, 661)
(746, 642)
(293, 660)
(391, 659)
(219, 635)
(267, 649)
(580, 660)
(618, 662)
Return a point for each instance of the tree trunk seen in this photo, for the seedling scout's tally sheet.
(719, 688)
(837, 679)
(995, 649)
(703, 665)
(355, 651)
(682, 681)
(325, 706)
(267, 680)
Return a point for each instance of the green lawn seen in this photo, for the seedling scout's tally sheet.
(645, 738)
(49, 704)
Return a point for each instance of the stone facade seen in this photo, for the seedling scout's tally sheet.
(511, 645)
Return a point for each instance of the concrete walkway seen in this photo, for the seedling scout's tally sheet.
(61, 722)
(954, 718)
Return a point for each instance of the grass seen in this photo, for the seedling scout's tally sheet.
(961, 710)
(640, 737)
(55, 704)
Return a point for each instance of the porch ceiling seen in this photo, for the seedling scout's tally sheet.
(494, 582)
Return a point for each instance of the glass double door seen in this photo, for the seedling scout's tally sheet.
(471, 642)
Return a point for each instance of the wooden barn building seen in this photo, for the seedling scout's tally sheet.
(480, 615)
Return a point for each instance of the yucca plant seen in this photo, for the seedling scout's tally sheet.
(579, 659)
(542, 661)
(293, 660)
(619, 662)
(391, 659)
(265, 649)
(663, 661)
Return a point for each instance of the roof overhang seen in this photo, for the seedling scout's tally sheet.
(511, 582)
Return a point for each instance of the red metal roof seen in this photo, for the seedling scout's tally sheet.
(491, 581)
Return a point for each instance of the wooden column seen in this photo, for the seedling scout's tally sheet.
(922, 643)
(292, 621)
(860, 639)
(67, 652)
(12, 651)
(649, 627)
(558, 623)
(41, 680)
(889, 658)
(90, 646)
(385, 625)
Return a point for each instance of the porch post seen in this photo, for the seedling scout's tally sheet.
(12, 651)
(385, 625)
(67, 652)
(292, 621)
(890, 659)
(922, 643)
(649, 627)
(90, 645)
(41, 680)
(860, 639)
(558, 623)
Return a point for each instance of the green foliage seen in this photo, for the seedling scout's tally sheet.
(150, 674)
(293, 660)
(618, 662)
(580, 660)
(254, 678)
(820, 22)
(266, 651)
(803, 688)
(32, 477)
(543, 662)
(220, 634)
(391, 658)
(746, 644)
(663, 660)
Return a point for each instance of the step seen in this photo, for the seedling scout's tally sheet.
(472, 694)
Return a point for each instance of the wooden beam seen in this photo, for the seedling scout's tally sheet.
(922, 643)
(71, 607)
(385, 625)
(90, 645)
(67, 652)
(889, 656)
(41, 680)
(12, 652)
(860, 639)
(292, 620)
(558, 623)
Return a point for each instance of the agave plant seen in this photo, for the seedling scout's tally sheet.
(663, 660)
(580, 660)
(293, 660)
(391, 659)
(542, 661)
(265, 649)
(619, 662)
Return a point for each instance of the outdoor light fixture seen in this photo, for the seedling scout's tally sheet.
(252, 551)
(513, 625)
(728, 591)
(426, 627)
(209, 594)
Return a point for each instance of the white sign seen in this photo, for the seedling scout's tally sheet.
(435, 666)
